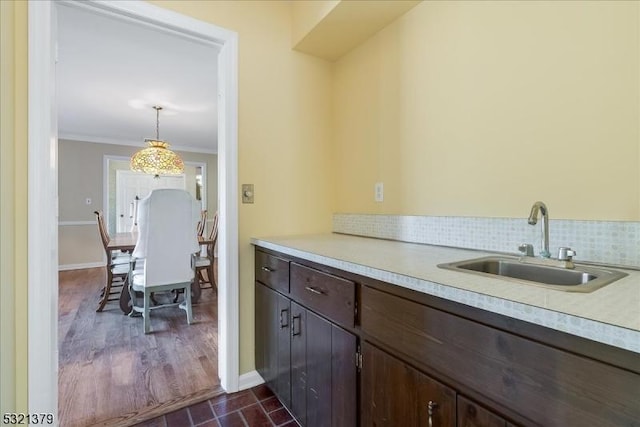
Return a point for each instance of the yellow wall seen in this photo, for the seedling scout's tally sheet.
(13, 207)
(284, 136)
(330, 29)
(307, 14)
(481, 108)
(531, 100)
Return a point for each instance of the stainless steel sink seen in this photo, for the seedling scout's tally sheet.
(530, 272)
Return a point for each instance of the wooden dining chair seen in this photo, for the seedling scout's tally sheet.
(167, 241)
(203, 222)
(117, 267)
(206, 263)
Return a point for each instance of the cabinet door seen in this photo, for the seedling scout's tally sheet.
(395, 394)
(283, 334)
(318, 337)
(331, 374)
(265, 341)
(344, 382)
(472, 415)
(273, 353)
(298, 363)
(436, 403)
(323, 371)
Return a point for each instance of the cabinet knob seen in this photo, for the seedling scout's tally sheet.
(267, 269)
(431, 406)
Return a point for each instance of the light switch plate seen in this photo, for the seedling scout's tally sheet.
(247, 193)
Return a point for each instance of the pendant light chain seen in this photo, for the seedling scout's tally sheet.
(157, 122)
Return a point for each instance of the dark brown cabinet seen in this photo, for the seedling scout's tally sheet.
(323, 371)
(272, 271)
(470, 414)
(324, 293)
(425, 361)
(299, 362)
(303, 356)
(273, 352)
(395, 394)
(534, 383)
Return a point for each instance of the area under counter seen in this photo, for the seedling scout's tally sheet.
(610, 315)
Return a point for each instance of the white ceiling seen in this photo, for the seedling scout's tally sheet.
(111, 72)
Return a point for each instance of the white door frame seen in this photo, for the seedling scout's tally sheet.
(42, 188)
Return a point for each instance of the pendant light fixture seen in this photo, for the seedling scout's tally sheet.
(157, 159)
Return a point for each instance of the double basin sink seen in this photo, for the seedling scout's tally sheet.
(530, 272)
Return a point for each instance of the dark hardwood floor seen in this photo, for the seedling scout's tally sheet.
(111, 373)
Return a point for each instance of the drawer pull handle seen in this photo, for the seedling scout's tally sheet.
(284, 319)
(293, 325)
(430, 408)
(314, 290)
(267, 269)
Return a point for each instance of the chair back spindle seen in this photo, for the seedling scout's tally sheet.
(202, 223)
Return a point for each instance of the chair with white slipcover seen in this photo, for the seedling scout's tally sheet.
(167, 241)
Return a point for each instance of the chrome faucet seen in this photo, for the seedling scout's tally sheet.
(533, 220)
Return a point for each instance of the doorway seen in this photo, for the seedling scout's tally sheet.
(196, 182)
(132, 187)
(42, 188)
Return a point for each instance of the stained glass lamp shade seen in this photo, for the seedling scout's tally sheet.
(157, 159)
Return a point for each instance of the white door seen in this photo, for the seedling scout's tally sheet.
(134, 186)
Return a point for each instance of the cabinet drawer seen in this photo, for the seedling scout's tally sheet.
(272, 271)
(331, 296)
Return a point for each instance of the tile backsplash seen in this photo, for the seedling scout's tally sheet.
(603, 242)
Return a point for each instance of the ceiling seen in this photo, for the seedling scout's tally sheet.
(110, 73)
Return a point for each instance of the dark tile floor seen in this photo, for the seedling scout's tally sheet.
(256, 407)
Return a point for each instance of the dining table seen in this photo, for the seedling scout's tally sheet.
(126, 242)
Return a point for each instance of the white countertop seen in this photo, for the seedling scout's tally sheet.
(610, 315)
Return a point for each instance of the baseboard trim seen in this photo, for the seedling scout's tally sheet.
(74, 223)
(248, 380)
(66, 267)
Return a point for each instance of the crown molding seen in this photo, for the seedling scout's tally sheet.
(129, 143)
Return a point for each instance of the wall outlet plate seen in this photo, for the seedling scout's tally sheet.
(379, 192)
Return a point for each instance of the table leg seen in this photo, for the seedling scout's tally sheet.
(195, 290)
(125, 298)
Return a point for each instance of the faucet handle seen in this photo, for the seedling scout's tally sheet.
(526, 249)
(565, 254)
